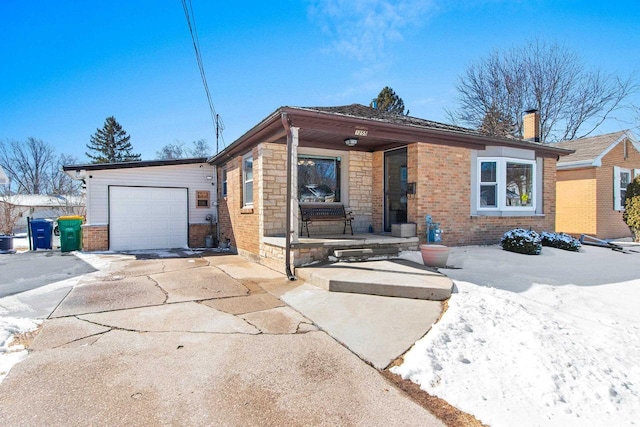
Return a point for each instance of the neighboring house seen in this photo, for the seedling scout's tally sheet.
(592, 183)
(147, 205)
(4, 179)
(386, 169)
(23, 206)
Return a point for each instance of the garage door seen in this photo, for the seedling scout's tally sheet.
(147, 218)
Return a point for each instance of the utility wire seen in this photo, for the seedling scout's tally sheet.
(191, 22)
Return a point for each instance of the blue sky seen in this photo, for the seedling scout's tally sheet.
(67, 65)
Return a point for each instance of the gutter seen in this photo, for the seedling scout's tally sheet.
(287, 234)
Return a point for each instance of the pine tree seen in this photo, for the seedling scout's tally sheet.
(495, 123)
(389, 102)
(111, 144)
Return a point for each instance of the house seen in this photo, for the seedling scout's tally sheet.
(386, 169)
(4, 179)
(19, 207)
(147, 205)
(592, 183)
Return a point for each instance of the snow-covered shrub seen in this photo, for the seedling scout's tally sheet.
(522, 241)
(560, 241)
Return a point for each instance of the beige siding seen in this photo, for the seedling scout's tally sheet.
(193, 177)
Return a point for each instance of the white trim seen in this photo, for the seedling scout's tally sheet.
(501, 185)
(617, 171)
(246, 204)
(344, 168)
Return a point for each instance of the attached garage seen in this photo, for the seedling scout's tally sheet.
(156, 204)
(148, 218)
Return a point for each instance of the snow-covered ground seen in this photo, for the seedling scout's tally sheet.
(548, 356)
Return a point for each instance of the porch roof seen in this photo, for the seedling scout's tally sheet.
(376, 130)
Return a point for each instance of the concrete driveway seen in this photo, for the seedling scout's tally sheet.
(24, 271)
(207, 341)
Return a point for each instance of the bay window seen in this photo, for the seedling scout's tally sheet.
(506, 184)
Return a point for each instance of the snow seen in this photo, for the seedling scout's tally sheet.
(549, 356)
(10, 355)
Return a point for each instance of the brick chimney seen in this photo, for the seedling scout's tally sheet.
(531, 130)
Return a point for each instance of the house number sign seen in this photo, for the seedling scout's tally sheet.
(361, 132)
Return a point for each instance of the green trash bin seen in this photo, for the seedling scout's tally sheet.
(70, 233)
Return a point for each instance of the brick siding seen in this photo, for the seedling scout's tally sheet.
(95, 238)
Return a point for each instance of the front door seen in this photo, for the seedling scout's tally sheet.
(395, 187)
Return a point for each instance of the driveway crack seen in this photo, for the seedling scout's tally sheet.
(157, 285)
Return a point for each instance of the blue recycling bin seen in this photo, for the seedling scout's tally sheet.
(41, 233)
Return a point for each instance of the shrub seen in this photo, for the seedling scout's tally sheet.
(560, 241)
(631, 214)
(522, 241)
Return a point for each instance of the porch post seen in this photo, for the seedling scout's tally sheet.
(289, 215)
(295, 212)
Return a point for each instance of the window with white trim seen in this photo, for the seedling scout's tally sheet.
(247, 180)
(506, 184)
(621, 178)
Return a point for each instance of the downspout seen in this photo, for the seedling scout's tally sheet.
(287, 234)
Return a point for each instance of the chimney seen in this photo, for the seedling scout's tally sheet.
(531, 130)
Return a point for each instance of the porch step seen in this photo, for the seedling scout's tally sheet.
(365, 253)
(392, 278)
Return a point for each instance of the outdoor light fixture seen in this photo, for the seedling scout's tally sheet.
(351, 142)
(209, 177)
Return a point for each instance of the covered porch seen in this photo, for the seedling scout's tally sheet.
(316, 249)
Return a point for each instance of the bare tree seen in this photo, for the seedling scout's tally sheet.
(177, 150)
(9, 212)
(171, 151)
(572, 100)
(200, 149)
(28, 165)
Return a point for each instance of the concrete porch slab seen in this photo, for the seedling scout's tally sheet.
(393, 278)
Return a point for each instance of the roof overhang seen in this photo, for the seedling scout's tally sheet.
(320, 129)
(79, 171)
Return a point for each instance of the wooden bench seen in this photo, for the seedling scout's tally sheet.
(324, 212)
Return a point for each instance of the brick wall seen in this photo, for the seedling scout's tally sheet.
(238, 224)
(377, 191)
(95, 237)
(609, 221)
(272, 186)
(576, 196)
(443, 190)
(198, 233)
(360, 190)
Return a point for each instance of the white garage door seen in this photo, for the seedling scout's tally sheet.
(147, 218)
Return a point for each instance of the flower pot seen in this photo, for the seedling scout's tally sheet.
(434, 255)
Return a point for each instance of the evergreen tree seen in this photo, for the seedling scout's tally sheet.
(111, 144)
(389, 102)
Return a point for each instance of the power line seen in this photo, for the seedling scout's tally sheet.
(191, 22)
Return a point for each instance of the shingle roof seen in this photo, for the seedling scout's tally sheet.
(589, 150)
(364, 112)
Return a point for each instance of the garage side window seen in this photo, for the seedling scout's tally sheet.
(318, 179)
(247, 180)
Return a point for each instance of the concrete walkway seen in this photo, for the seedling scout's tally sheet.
(215, 340)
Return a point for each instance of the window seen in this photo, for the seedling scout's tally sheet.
(318, 179)
(621, 178)
(506, 184)
(247, 180)
(202, 199)
(224, 182)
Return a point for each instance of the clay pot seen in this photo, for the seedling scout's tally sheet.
(434, 255)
